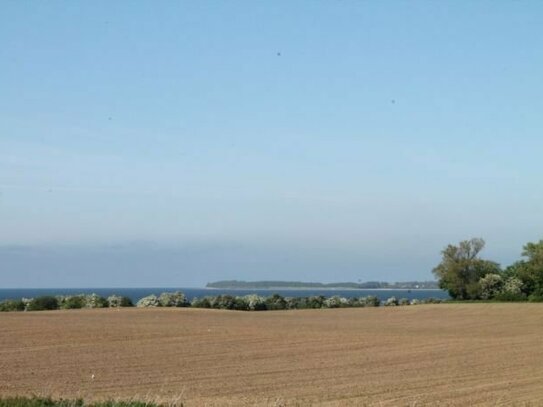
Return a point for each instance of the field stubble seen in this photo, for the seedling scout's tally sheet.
(447, 354)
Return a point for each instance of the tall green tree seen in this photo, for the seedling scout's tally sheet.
(529, 270)
(461, 269)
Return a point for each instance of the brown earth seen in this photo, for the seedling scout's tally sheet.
(454, 354)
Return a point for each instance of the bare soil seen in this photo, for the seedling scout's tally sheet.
(453, 354)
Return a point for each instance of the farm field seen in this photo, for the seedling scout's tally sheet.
(446, 354)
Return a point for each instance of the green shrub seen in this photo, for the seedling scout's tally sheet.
(315, 301)
(12, 305)
(299, 303)
(276, 302)
(226, 302)
(71, 301)
(201, 302)
(536, 297)
(291, 302)
(43, 303)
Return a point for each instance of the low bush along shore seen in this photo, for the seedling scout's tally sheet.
(251, 302)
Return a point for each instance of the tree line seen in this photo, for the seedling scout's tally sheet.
(467, 276)
(251, 302)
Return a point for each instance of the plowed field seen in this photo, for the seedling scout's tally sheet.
(454, 354)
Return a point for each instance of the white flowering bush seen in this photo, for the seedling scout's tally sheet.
(512, 286)
(332, 302)
(415, 301)
(27, 302)
(336, 302)
(369, 301)
(149, 301)
(116, 301)
(254, 302)
(176, 299)
(490, 285)
(95, 301)
(391, 302)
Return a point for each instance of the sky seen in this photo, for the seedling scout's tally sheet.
(158, 143)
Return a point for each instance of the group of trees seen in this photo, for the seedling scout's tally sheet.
(466, 276)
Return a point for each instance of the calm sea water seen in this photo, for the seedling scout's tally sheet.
(136, 293)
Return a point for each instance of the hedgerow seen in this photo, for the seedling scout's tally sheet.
(251, 302)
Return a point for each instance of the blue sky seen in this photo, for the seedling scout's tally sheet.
(174, 143)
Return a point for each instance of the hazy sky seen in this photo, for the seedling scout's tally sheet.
(174, 143)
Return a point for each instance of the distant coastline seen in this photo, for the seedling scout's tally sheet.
(321, 288)
(299, 285)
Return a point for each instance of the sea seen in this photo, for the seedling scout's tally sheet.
(136, 293)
